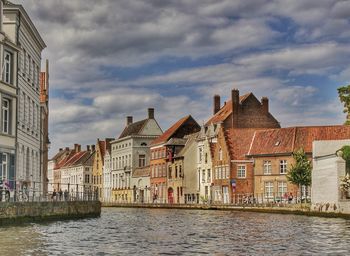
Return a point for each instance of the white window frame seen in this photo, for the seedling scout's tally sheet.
(267, 167)
(7, 68)
(269, 189)
(282, 188)
(241, 169)
(4, 166)
(5, 115)
(203, 176)
(283, 167)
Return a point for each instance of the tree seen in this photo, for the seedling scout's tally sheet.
(300, 172)
(344, 96)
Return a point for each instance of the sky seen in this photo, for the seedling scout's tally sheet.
(114, 58)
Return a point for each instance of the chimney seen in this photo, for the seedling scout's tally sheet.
(128, 120)
(87, 147)
(92, 147)
(77, 148)
(151, 113)
(67, 148)
(235, 106)
(265, 105)
(60, 150)
(216, 103)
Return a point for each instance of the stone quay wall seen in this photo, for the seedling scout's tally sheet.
(297, 209)
(21, 212)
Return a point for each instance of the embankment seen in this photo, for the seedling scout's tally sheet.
(268, 208)
(22, 212)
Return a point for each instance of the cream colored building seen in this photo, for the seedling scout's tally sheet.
(24, 37)
(130, 151)
(8, 101)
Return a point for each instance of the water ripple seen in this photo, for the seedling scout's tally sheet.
(180, 232)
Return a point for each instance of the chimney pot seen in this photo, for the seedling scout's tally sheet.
(77, 148)
(92, 147)
(67, 148)
(128, 120)
(216, 104)
(60, 150)
(151, 113)
(88, 147)
(265, 104)
(235, 106)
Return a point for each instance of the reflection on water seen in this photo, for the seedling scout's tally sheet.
(172, 232)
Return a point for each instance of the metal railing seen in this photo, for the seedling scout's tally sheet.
(13, 191)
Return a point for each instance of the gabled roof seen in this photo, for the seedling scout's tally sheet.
(226, 110)
(133, 129)
(238, 141)
(74, 159)
(171, 131)
(64, 160)
(287, 140)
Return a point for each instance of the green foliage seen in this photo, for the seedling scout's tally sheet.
(300, 173)
(346, 153)
(344, 96)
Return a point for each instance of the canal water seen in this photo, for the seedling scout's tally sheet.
(122, 231)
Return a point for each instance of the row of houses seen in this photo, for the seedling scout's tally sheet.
(240, 152)
(23, 101)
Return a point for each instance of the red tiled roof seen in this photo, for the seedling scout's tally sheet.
(238, 141)
(226, 110)
(168, 133)
(74, 159)
(64, 160)
(287, 140)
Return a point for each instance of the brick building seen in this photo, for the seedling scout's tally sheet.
(272, 151)
(162, 152)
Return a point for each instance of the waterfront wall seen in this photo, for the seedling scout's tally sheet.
(19, 212)
(298, 209)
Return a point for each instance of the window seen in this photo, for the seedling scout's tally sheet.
(208, 175)
(220, 154)
(142, 160)
(180, 171)
(241, 171)
(206, 158)
(5, 115)
(7, 68)
(169, 174)
(283, 166)
(3, 166)
(267, 167)
(227, 172)
(200, 155)
(282, 188)
(269, 189)
(203, 176)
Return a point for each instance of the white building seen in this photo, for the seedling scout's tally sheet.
(20, 29)
(76, 174)
(131, 150)
(328, 169)
(8, 101)
(107, 176)
(204, 166)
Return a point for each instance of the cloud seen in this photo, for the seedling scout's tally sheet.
(110, 59)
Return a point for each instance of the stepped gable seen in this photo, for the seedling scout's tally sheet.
(133, 128)
(287, 140)
(226, 111)
(238, 142)
(171, 132)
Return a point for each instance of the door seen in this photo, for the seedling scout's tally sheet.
(225, 194)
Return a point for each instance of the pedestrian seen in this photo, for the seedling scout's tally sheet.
(290, 197)
(60, 194)
(65, 195)
(53, 197)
